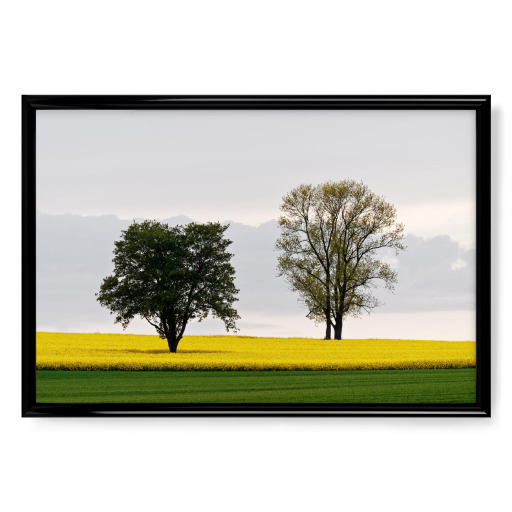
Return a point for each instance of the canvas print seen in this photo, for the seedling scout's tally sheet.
(249, 256)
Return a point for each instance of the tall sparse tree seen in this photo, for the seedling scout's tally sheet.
(329, 243)
(170, 276)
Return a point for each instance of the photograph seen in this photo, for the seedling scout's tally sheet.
(256, 256)
(302, 253)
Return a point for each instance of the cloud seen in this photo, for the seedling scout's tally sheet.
(434, 274)
(74, 254)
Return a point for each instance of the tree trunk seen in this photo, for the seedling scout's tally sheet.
(328, 319)
(173, 341)
(338, 327)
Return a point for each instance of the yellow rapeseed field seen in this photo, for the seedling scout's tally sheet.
(66, 351)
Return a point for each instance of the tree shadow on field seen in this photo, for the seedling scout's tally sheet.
(166, 351)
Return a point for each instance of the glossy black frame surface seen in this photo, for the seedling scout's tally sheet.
(481, 104)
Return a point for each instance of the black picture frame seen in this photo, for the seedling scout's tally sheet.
(481, 104)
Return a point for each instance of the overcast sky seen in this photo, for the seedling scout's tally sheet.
(237, 165)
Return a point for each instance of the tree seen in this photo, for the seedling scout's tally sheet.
(330, 237)
(170, 276)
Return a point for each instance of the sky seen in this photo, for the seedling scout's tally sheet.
(98, 170)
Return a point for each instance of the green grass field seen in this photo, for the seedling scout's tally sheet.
(373, 386)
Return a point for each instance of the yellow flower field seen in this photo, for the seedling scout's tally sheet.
(70, 351)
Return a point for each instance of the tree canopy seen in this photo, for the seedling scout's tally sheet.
(170, 276)
(330, 238)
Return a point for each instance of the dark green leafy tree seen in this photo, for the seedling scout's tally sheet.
(170, 276)
(330, 240)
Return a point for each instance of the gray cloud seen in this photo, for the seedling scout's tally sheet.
(74, 253)
(434, 274)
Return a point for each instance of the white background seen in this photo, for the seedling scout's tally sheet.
(263, 47)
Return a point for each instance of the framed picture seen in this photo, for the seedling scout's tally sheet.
(256, 255)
